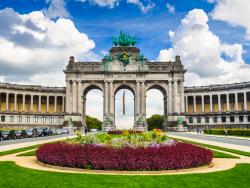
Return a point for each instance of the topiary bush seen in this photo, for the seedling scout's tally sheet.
(159, 157)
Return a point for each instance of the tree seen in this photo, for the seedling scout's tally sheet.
(93, 123)
(155, 122)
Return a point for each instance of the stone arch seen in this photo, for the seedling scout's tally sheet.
(128, 86)
(91, 86)
(159, 86)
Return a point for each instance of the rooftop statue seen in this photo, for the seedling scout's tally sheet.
(124, 40)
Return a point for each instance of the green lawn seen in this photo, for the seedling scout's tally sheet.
(244, 153)
(12, 176)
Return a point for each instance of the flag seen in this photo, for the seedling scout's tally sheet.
(123, 103)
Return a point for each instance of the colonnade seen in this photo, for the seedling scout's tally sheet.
(39, 103)
(222, 102)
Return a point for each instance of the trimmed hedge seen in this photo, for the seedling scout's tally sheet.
(232, 132)
(177, 156)
(122, 131)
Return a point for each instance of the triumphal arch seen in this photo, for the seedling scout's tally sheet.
(125, 68)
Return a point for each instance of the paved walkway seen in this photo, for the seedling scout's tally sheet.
(33, 142)
(221, 136)
(243, 145)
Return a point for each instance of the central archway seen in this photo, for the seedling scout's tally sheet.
(124, 97)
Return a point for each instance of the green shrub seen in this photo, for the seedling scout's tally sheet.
(155, 122)
(79, 136)
(90, 139)
(232, 132)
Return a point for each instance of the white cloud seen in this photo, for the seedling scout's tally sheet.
(234, 12)
(56, 9)
(170, 8)
(103, 3)
(146, 7)
(34, 46)
(207, 59)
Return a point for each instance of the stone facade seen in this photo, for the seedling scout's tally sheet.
(168, 77)
(225, 106)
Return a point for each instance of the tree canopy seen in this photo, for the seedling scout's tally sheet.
(93, 123)
(155, 122)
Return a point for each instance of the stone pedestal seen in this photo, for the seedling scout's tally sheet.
(108, 123)
(181, 128)
(140, 123)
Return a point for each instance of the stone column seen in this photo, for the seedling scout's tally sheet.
(186, 101)
(31, 103)
(7, 102)
(143, 99)
(111, 98)
(175, 110)
(202, 104)
(47, 104)
(219, 103)
(228, 109)
(0, 102)
(55, 104)
(15, 102)
(68, 97)
(39, 103)
(79, 98)
(106, 105)
(138, 98)
(170, 96)
(245, 101)
(211, 102)
(23, 102)
(182, 108)
(74, 97)
(194, 103)
(236, 102)
(63, 103)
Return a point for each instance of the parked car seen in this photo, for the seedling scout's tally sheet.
(1, 136)
(5, 135)
(24, 134)
(18, 134)
(32, 133)
(12, 134)
(58, 131)
(65, 131)
(40, 131)
(47, 132)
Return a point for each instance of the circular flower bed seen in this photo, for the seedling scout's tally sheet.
(177, 155)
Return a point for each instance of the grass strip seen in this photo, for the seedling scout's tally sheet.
(29, 153)
(19, 150)
(12, 175)
(244, 153)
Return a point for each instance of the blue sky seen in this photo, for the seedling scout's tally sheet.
(151, 28)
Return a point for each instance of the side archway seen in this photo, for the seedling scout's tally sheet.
(92, 102)
(156, 101)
